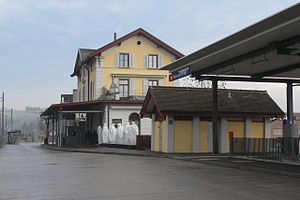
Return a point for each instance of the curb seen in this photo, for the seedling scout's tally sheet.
(175, 157)
(104, 152)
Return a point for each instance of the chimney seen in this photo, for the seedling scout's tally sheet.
(115, 36)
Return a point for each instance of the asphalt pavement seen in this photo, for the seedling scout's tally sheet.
(28, 171)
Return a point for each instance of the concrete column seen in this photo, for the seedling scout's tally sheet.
(210, 137)
(289, 100)
(152, 132)
(161, 136)
(267, 124)
(196, 134)
(59, 129)
(248, 129)
(222, 136)
(169, 134)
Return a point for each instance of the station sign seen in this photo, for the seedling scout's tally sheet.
(179, 74)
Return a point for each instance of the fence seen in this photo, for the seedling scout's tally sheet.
(143, 142)
(267, 148)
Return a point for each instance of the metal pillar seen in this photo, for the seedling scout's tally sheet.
(2, 127)
(56, 131)
(289, 101)
(47, 131)
(53, 129)
(215, 115)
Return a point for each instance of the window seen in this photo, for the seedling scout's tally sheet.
(124, 60)
(153, 61)
(92, 67)
(153, 83)
(124, 88)
(277, 132)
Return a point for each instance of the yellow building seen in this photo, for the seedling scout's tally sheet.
(181, 117)
(119, 74)
(132, 61)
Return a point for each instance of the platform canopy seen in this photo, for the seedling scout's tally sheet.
(267, 51)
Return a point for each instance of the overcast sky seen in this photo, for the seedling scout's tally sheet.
(39, 39)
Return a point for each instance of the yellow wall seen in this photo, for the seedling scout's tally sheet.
(138, 82)
(131, 47)
(157, 136)
(238, 129)
(203, 148)
(183, 134)
(137, 51)
(257, 130)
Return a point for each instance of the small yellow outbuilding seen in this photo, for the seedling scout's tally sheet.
(181, 117)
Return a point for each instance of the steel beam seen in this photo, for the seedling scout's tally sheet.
(247, 79)
(289, 101)
(277, 71)
(215, 115)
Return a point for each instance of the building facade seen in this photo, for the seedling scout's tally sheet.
(112, 82)
(185, 125)
(123, 70)
(132, 62)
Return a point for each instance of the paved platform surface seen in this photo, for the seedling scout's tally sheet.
(287, 168)
(29, 172)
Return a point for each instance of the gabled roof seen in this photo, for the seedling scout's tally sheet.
(138, 31)
(84, 53)
(197, 101)
(81, 57)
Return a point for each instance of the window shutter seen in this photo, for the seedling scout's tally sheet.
(117, 60)
(131, 60)
(145, 87)
(159, 61)
(161, 83)
(131, 85)
(145, 61)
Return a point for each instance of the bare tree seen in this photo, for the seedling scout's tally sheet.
(193, 82)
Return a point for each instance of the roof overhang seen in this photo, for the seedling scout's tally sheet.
(268, 51)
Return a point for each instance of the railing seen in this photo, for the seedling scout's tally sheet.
(143, 142)
(267, 148)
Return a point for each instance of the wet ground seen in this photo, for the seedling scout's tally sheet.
(28, 171)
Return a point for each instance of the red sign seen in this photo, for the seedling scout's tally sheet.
(171, 77)
(230, 134)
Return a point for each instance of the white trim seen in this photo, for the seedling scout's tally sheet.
(125, 107)
(152, 132)
(248, 124)
(169, 146)
(139, 75)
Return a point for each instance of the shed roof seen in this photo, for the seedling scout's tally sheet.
(185, 101)
(87, 105)
(267, 51)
